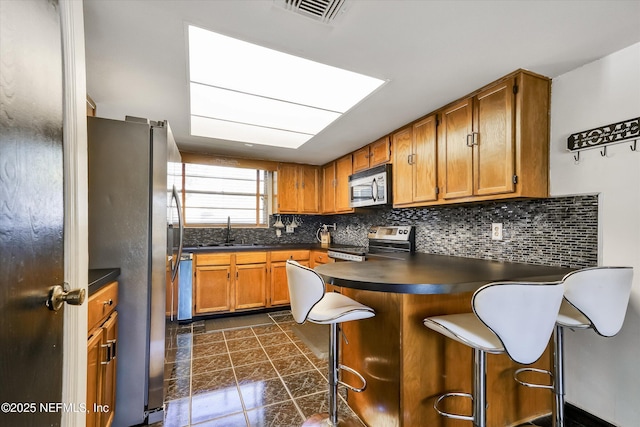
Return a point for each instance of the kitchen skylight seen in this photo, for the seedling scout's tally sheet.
(251, 94)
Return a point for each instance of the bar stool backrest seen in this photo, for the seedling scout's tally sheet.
(602, 295)
(522, 315)
(306, 288)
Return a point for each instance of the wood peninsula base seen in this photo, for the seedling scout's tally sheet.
(407, 365)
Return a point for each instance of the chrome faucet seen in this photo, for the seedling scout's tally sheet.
(229, 239)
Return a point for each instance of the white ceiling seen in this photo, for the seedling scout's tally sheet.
(431, 53)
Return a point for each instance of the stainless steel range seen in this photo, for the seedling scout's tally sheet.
(382, 239)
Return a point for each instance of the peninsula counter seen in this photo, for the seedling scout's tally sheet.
(406, 364)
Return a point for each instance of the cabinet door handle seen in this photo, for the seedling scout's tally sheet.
(474, 139)
(108, 351)
(469, 137)
(113, 344)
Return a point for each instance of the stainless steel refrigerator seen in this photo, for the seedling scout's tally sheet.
(133, 223)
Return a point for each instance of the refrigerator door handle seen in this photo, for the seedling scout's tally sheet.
(176, 197)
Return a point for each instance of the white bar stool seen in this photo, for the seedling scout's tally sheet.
(514, 318)
(310, 302)
(594, 298)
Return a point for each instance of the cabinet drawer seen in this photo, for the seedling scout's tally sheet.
(213, 259)
(251, 257)
(297, 255)
(101, 304)
(321, 258)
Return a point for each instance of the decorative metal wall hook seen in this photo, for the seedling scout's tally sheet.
(634, 147)
(576, 158)
(603, 152)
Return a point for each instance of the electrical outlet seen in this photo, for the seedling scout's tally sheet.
(496, 231)
(289, 229)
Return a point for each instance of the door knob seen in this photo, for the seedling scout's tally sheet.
(58, 296)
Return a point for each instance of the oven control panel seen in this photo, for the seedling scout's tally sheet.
(390, 232)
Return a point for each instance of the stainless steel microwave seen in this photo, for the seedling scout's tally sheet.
(371, 187)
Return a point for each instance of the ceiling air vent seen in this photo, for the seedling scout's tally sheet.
(322, 10)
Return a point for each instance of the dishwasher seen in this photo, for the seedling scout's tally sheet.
(185, 288)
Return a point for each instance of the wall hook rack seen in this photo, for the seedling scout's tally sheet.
(604, 136)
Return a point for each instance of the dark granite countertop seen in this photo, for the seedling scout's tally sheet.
(101, 276)
(239, 247)
(432, 274)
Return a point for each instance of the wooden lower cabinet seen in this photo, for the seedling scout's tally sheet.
(212, 290)
(251, 284)
(279, 286)
(102, 356)
(228, 282)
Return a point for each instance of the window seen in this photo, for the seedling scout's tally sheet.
(213, 193)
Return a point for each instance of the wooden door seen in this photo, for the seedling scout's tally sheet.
(32, 213)
(425, 160)
(310, 188)
(379, 152)
(402, 166)
(212, 289)
(494, 148)
(251, 281)
(344, 168)
(108, 402)
(329, 188)
(288, 188)
(458, 149)
(361, 159)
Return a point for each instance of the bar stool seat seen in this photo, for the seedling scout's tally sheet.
(310, 302)
(337, 308)
(509, 317)
(594, 298)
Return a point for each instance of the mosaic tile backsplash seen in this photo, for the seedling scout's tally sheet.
(559, 231)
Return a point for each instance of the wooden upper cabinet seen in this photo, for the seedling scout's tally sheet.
(374, 154)
(414, 163)
(379, 152)
(493, 149)
(457, 146)
(344, 168)
(287, 188)
(402, 168)
(495, 144)
(361, 159)
(298, 188)
(335, 179)
(310, 187)
(329, 188)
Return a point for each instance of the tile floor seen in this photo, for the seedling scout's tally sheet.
(254, 376)
(261, 375)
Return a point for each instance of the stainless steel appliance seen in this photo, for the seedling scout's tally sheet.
(371, 187)
(382, 240)
(131, 226)
(185, 290)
